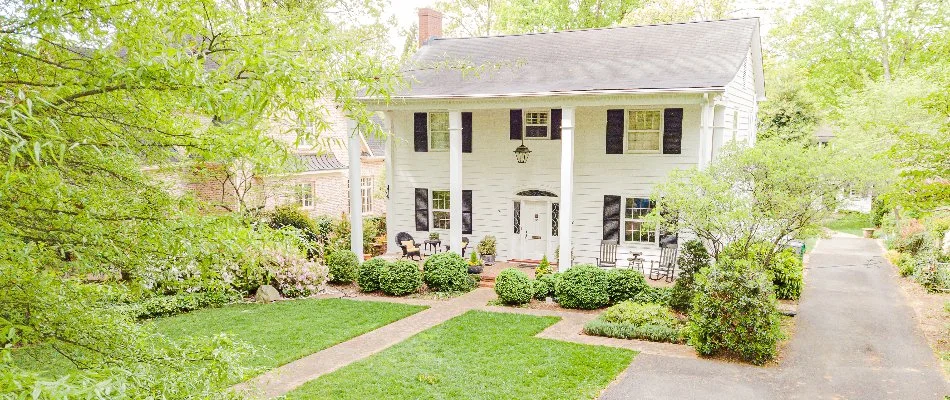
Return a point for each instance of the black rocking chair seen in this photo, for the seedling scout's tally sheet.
(408, 245)
(665, 268)
(608, 254)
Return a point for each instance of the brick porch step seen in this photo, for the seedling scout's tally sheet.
(486, 281)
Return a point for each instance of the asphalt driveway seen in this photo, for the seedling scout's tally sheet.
(855, 339)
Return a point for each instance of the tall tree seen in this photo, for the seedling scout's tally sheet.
(91, 91)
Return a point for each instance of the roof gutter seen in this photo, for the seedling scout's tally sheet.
(549, 94)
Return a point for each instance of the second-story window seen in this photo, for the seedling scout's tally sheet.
(438, 131)
(644, 131)
(536, 124)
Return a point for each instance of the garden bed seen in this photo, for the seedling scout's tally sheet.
(932, 312)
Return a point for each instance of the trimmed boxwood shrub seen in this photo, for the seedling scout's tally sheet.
(625, 284)
(630, 320)
(446, 272)
(343, 266)
(369, 273)
(400, 278)
(513, 287)
(656, 295)
(734, 312)
(544, 285)
(583, 286)
(692, 259)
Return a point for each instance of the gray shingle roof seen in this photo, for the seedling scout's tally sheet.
(322, 162)
(653, 57)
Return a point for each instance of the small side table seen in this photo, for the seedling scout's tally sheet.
(434, 244)
(635, 261)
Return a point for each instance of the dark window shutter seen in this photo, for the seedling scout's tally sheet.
(614, 131)
(515, 125)
(466, 132)
(556, 124)
(422, 209)
(611, 217)
(467, 212)
(672, 130)
(517, 219)
(421, 136)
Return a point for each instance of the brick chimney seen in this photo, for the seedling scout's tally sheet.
(430, 25)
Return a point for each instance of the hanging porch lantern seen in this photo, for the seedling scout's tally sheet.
(522, 152)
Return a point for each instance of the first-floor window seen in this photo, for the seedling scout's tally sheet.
(305, 194)
(635, 230)
(440, 209)
(366, 192)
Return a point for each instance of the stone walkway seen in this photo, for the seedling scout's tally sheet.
(855, 339)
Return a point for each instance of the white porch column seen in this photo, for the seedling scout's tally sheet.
(566, 211)
(455, 181)
(354, 147)
(391, 228)
(706, 131)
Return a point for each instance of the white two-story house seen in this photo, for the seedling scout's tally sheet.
(555, 140)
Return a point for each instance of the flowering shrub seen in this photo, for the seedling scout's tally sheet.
(295, 276)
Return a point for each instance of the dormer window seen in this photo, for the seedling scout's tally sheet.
(537, 124)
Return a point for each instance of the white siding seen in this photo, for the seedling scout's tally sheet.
(494, 176)
(739, 100)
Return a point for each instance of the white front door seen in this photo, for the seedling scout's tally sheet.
(535, 227)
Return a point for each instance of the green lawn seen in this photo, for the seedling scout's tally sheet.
(850, 222)
(478, 355)
(281, 332)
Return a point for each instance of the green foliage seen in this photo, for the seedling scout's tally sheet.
(487, 246)
(630, 320)
(446, 272)
(734, 312)
(784, 267)
(343, 266)
(789, 114)
(293, 216)
(767, 193)
(369, 274)
(583, 286)
(693, 258)
(400, 278)
(625, 284)
(513, 287)
(654, 333)
(543, 268)
(655, 295)
(544, 285)
(163, 306)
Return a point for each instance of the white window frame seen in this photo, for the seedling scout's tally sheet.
(366, 193)
(624, 219)
(546, 125)
(305, 194)
(447, 210)
(627, 131)
(430, 131)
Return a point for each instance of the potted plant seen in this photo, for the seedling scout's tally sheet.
(486, 249)
(474, 264)
(433, 235)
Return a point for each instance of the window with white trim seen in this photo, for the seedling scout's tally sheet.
(644, 131)
(735, 125)
(305, 194)
(438, 131)
(536, 124)
(366, 192)
(440, 209)
(634, 224)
